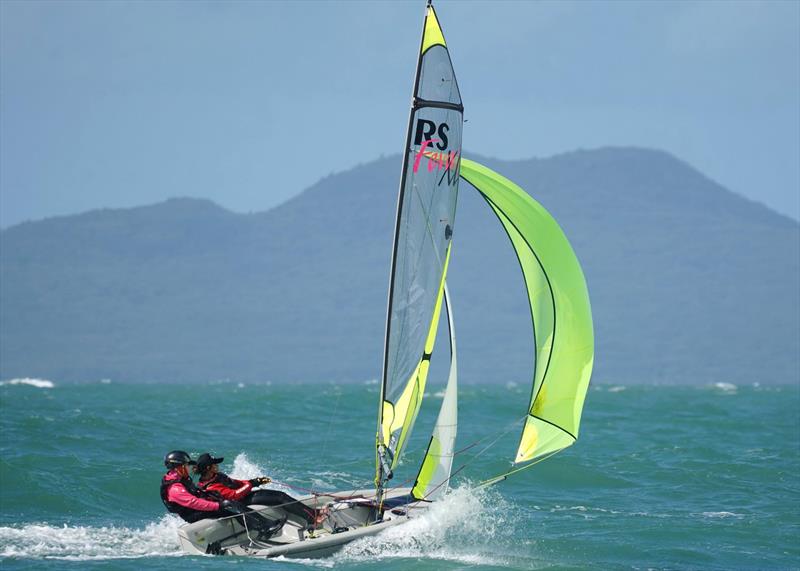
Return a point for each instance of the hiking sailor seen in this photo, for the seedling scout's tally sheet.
(181, 497)
(212, 480)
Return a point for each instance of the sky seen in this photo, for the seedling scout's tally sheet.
(119, 104)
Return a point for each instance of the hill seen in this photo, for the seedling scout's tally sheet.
(689, 282)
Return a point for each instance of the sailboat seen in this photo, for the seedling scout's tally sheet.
(424, 231)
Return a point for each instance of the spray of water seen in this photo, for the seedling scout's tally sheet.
(83, 543)
(325, 480)
(468, 526)
(244, 468)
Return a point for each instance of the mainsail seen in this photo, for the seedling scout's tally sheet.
(423, 229)
(560, 311)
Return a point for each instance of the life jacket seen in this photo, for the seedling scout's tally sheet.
(219, 478)
(184, 512)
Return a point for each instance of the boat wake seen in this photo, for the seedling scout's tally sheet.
(467, 526)
(84, 543)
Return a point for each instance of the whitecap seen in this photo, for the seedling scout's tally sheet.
(726, 387)
(721, 515)
(38, 383)
(616, 389)
(438, 394)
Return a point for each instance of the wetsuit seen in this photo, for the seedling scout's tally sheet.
(242, 491)
(182, 497)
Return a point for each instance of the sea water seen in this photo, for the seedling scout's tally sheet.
(662, 477)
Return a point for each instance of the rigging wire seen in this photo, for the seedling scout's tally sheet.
(505, 431)
(330, 422)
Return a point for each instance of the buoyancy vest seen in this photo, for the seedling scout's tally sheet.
(184, 512)
(219, 478)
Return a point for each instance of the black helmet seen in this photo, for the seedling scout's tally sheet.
(204, 462)
(177, 458)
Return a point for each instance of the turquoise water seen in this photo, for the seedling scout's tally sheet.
(662, 477)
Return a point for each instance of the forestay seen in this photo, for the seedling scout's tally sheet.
(424, 227)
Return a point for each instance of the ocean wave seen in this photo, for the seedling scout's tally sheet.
(587, 512)
(38, 383)
(726, 388)
(583, 511)
(720, 515)
(84, 543)
(332, 480)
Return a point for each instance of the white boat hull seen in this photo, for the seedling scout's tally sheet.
(351, 517)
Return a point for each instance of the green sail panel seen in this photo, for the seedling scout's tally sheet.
(560, 312)
(424, 228)
(434, 473)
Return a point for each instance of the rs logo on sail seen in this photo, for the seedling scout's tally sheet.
(437, 160)
(427, 129)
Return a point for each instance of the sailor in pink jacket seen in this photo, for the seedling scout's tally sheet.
(181, 497)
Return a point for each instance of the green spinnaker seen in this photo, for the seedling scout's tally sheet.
(560, 311)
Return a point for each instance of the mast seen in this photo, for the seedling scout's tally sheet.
(423, 228)
(384, 471)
